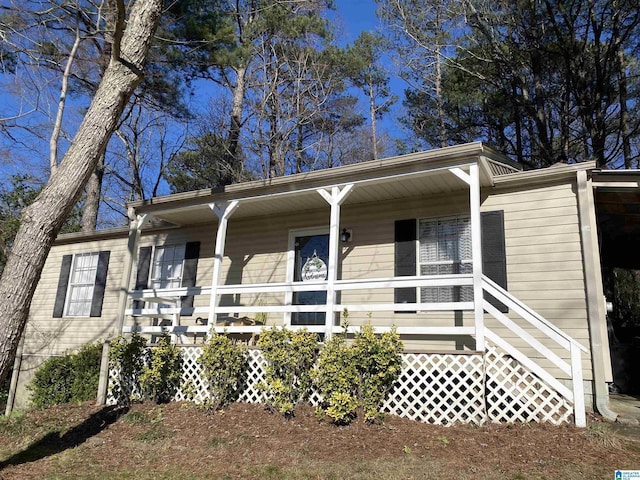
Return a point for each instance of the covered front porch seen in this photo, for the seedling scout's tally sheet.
(413, 296)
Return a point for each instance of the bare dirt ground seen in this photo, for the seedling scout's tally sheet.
(245, 441)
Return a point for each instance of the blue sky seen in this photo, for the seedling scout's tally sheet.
(358, 15)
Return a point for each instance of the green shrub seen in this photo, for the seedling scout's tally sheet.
(224, 363)
(336, 376)
(379, 365)
(162, 372)
(290, 355)
(359, 375)
(70, 378)
(127, 356)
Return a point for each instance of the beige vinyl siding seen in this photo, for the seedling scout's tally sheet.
(257, 252)
(46, 336)
(544, 264)
(371, 255)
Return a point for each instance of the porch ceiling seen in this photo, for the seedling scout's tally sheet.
(366, 191)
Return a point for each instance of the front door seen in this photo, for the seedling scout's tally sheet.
(311, 261)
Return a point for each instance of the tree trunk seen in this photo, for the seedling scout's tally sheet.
(92, 201)
(42, 220)
(623, 96)
(372, 112)
(236, 124)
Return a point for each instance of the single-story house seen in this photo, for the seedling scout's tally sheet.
(459, 248)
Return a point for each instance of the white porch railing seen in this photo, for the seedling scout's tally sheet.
(508, 383)
(573, 370)
(291, 287)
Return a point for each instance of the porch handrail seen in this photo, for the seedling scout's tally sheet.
(530, 315)
(461, 279)
(574, 370)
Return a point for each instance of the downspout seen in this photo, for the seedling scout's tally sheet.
(600, 356)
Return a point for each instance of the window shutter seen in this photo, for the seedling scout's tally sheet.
(405, 258)
(99, 286)
(494, 259)
(191, 253)
(63, 283)
(142, 276)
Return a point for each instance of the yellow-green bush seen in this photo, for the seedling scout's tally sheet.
(145, 373)
(357, 375)
(290, 355)
(162, 372)
(379, 365)
(336, 376)
(224, 365)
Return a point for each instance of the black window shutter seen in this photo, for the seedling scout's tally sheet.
(142, 276)
(63, 283)
(494, 259)
(101, 281)
(405, 258)
(191, 253)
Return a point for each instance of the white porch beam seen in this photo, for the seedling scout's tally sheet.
(223, 211)
(476, 254)
(335, 198)
(136, 222)
(461, 174)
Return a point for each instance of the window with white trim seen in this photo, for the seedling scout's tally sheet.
(444, 247)
(167, 268)
(81, 284)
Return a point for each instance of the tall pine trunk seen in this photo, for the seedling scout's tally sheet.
(234, 164)
(93, 196)
(42, 220)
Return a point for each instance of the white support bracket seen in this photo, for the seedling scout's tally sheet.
(335, 199)
(461, 174)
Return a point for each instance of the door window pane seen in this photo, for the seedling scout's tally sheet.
(308, 248)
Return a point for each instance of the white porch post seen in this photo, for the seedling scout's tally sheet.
(476, 254)
(136, 222)
(223, 211)
(335, 199)
(579, 414)
(473, 180)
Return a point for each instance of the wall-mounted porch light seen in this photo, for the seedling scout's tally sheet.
(345, 236)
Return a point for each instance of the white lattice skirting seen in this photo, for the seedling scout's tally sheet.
(434, 388)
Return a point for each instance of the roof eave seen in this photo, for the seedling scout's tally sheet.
(448, 157)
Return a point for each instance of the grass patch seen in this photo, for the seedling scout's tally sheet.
(217, 442)
(14, 425)
(136, 418)
(274, 472)
(151, 417)
(154, 434)
(601, 434)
